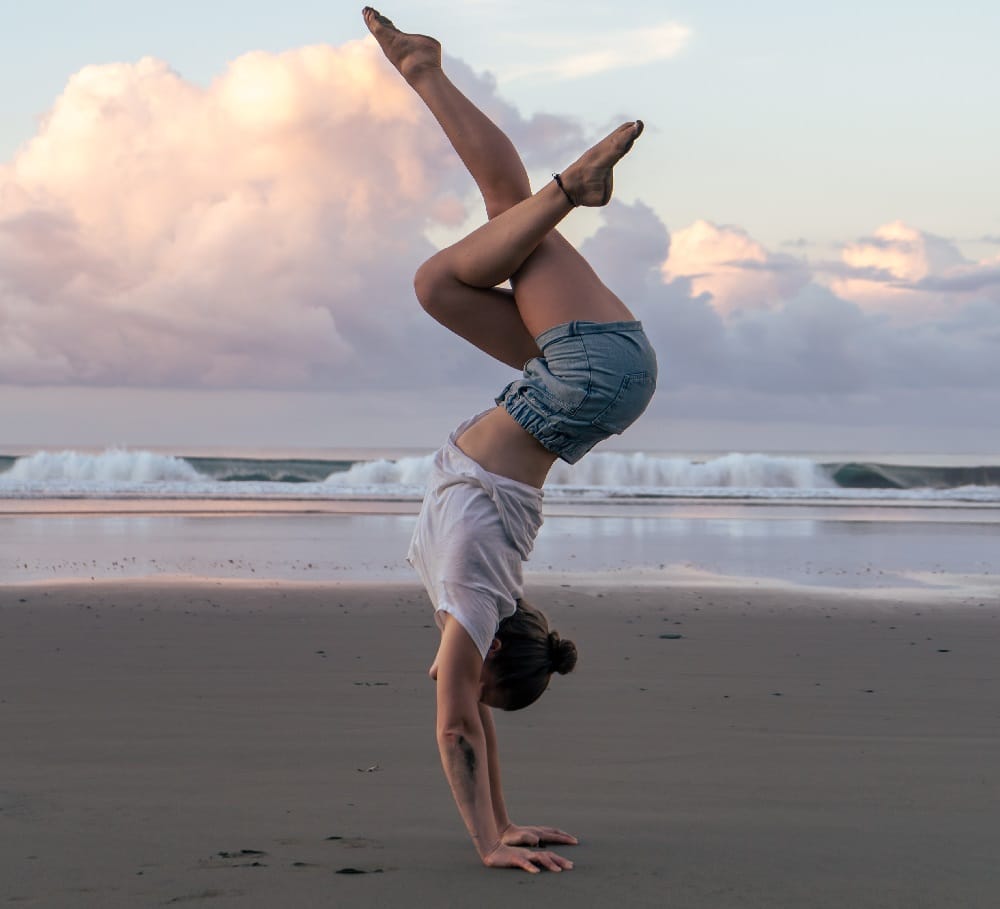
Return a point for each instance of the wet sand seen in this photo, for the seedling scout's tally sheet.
(938, 549)
(244, 744)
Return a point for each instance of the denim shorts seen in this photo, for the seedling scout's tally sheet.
(592, 381)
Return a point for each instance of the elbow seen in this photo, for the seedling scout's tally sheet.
(458, 750)
(457, 717)
(457, 729)
(450, 734)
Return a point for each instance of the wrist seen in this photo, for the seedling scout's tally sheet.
(485, 852)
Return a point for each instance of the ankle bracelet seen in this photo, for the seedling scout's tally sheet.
(559, 183)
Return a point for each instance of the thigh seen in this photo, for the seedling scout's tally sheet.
(557, 285)
(486, 318)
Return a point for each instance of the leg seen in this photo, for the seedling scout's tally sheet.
(557, 285)
(552, 282)
(485, 316)
(484, 148)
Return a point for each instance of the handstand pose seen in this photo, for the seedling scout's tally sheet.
(588, 371)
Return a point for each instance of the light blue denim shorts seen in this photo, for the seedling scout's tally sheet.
(592, 381)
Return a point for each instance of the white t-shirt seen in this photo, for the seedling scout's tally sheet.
(475, 529)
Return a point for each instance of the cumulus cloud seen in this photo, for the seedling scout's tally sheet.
(732, 268)
(900, 271)
(729, 316)
(261, 231)
(891, 269)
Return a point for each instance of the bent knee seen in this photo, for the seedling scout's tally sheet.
(430, 284)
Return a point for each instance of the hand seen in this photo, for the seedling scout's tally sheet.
(527, 860)
(514, 835)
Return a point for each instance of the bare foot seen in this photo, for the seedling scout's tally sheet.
(590, 179)
(410, 54)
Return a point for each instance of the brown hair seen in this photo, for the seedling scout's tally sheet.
(528, 655)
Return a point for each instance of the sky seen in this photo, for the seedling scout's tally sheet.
(210, 215)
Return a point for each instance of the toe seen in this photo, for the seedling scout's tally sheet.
(375, 19)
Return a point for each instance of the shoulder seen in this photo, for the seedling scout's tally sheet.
(458, 656)
(476, 608)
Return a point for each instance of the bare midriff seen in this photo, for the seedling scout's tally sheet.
(498, 444)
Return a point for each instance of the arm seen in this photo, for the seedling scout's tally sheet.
(462, 744)
(460, 736)
(511, 834)
(493, 764)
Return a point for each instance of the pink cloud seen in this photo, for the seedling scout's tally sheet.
(900, 271)
(806, 342)
(732, 268)
(886, 271)
(261, 231)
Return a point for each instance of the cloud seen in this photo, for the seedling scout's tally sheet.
(259, 232)
(901, 271)
(910, 274)
(727, 316)
(963, 279)
(576, 56)
(733, 269)
(262, 233)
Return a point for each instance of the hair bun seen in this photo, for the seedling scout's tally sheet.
(562, 654)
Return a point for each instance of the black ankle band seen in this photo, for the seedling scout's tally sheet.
(559, 183)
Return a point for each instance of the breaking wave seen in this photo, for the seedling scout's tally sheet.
(610, 475)
(404, 472)
(110, 467)
(747, 471)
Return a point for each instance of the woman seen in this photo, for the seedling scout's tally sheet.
(588, 372)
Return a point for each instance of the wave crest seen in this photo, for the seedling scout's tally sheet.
(111, 466)
(624, 471)
(404, 472)
(729, 471)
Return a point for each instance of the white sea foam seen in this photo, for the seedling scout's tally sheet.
(108, 468)
(757, 471)
(625, 471)
(601, 476)
(408, 472)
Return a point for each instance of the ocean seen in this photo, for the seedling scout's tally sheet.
(602, 476)
(885, 524)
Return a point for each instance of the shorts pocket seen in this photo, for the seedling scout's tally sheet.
(625, 408)
(543, 404)
(561, 383)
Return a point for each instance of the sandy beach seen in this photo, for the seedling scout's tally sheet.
(255, 744)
